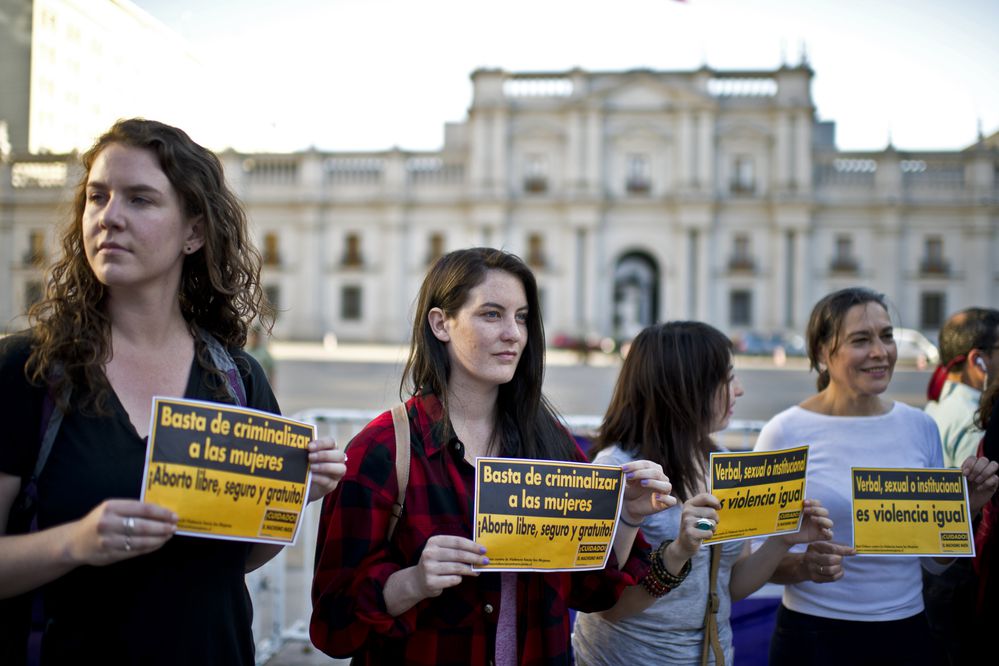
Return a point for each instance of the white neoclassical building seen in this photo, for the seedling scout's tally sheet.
(637, 196)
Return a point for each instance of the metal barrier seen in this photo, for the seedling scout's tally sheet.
(281, 589)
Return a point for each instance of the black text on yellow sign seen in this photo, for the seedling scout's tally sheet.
(228, 472)
(539, 515)
(761, 493)
(911, 512)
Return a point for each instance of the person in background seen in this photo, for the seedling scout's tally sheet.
(986, 606)
(474, 376)
(969, 354)
(152, 296)
(676, 387)
(839, 609)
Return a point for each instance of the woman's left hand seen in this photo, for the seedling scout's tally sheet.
(982, 481)
(816, 525)
(328, 464)
(647, 490)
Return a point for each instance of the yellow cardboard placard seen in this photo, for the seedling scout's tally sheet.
(761, 492)
(228, 472)
(542, 515)
(911, 512)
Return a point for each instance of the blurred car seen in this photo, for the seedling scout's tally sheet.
(915, 348)
(755, 343)
(583, 344)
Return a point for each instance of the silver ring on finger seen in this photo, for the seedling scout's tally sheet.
(822, 570)
(128, 544)
(129, 525)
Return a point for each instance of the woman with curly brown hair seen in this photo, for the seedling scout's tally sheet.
(152, 296)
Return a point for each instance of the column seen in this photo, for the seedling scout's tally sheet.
(597, 302)
(782, 153)
(802, 305)
(500, 175)
(685, 133)
(594, 154)
(706, 151)
(575, 150)
(580, 280)
(790, 270)
(803, 152)
(480, 167)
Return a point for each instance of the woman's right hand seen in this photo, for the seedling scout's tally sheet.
(120, 529)
(823, 561)
(445, 559)
(698, 508)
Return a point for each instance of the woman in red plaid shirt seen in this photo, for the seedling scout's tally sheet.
(475, 370)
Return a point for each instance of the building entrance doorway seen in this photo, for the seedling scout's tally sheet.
(636, 294)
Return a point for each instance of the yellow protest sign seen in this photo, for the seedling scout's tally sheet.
(228, 472)
(540, 515)
(911, 512)
(761, 492)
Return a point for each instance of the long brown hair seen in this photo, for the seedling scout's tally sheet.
(526, 425)
(663, 406)
(987, 403)
(220, 283)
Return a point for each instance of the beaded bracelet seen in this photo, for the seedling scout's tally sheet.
(659, 580)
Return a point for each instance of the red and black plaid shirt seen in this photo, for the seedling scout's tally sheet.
(354, 560)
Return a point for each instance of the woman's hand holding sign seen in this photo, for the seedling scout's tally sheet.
(697, 523)
(444, 561)
(328, 465)
(815, 525)
(118, 530)
(982, 481)
(823, 561)
(647, 490)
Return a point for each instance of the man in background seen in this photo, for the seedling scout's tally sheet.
(969, 355)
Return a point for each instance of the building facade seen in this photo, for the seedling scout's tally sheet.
(69, 68)
(636, 196)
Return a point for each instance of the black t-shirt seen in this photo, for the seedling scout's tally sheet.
(183, 604)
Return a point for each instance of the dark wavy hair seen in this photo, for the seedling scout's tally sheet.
(826, 322)
(526, 424)
(220, 288)
(987, 404)
(662, 408)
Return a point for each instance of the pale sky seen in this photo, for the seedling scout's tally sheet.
(371, 74)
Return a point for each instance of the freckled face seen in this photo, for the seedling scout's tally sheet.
(864, 362)
(487, 335)
(134, 226)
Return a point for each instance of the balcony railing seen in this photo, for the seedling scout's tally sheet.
(535, 184)
(934, 266)
(844, 265)
(741, 264)
(638, 186)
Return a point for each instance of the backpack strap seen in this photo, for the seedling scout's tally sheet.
(223, 360)
(400, 423)
(51, 420)
(711, 640)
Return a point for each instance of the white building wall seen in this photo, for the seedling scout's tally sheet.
(694, 128)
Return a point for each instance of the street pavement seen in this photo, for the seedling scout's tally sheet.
(367, 377)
